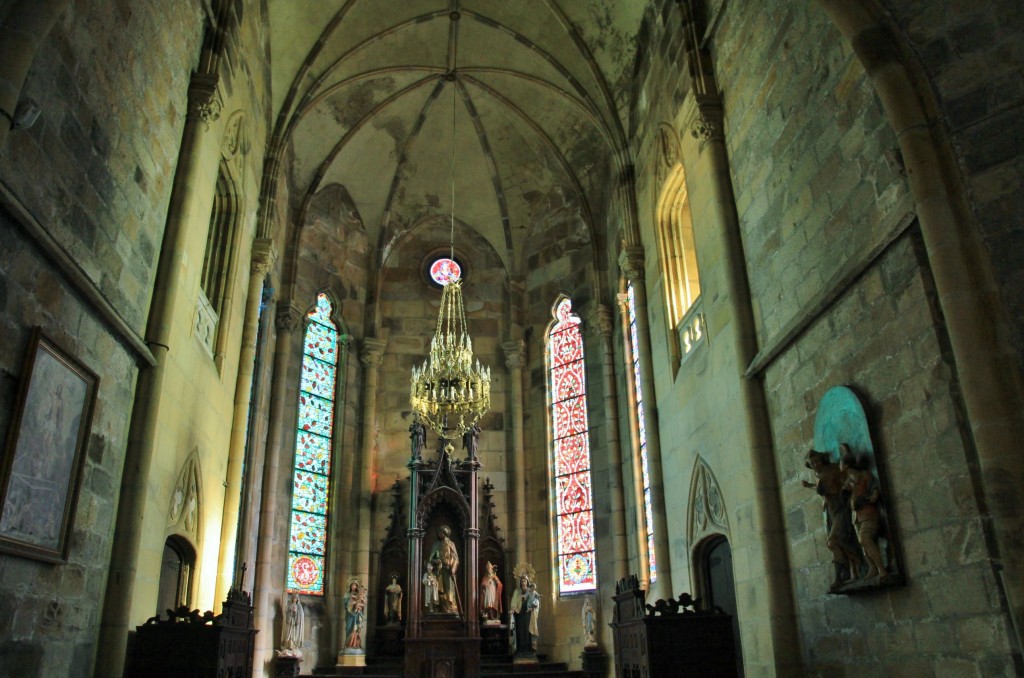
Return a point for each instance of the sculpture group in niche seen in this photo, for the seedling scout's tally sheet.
(860, 534)
(851, 496)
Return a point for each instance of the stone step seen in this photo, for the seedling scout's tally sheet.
(491, 667)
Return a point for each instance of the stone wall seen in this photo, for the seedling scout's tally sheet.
(970, 55)
(95, 173)
(819, 197)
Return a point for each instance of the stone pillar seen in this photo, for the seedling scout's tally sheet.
(149, 392)
(620, 545)
(471, 542)
(270, 562)
(515, 361)
(263, 257)
(371, 355)
(740, 329)
(26, 25)
(631, 261)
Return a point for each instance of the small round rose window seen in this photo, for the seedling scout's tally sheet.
(445, 270)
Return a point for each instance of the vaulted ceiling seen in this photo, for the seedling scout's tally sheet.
(369, 93)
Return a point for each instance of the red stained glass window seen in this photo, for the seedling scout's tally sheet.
(307, 537)
(574, 509)
(445, 270)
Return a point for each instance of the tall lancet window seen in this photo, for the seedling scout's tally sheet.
(574, 512)
(307, 542)
(641, 429)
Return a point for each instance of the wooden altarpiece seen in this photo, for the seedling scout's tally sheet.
(443, 493)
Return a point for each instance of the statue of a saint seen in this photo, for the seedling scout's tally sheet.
(291, 632)
(355, 613)
(864, 495)
(445, 559)
(471, 441)
(840, 540)
(430, 599)
(393, 601)
(418, 436)
(490, 596)
(525, 607)
(589, 616)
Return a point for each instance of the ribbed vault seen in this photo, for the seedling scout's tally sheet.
(367, 98)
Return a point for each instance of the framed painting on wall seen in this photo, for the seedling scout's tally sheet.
(42, 465)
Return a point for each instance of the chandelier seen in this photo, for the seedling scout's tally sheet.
(451, 390)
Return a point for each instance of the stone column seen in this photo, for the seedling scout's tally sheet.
(735, 296)
(631, 261)
(263, 257)
(149, 392)
(371, 355)
(23, 29)
(270, 561)
(620, 545)
(515, 361)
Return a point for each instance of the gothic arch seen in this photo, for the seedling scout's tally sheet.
(184, 510)
(706, 512)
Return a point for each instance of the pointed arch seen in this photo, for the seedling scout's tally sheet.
(676, 250)
(706, 514)
(185, 508)
(570, 452)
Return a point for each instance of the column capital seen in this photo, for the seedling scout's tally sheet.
(264, 254)
(515, 353)
(371, 351)
(203, 100)
(707, 123)
(602, 320)
(631, 261)
(288, 317)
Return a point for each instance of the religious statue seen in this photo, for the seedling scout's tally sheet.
(490, 596)
(418, 436)
(445, 559)
(471, 441)
(430, 599)
(355, 614)
(830, 486)
(291, 631)
(525, 608)
(393, 601)
(864, 495)
(589, 617)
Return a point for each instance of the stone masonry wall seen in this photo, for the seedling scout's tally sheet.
(817, 189)
(948, 617)
(971, 55)
(96, 172)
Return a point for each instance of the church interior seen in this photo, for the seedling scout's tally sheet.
(726, 299)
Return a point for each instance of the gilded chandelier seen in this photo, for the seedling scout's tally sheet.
(451, 390)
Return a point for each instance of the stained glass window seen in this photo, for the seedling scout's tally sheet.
(307, 541)
(574, 513)
(634, 359)
(445, 270)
